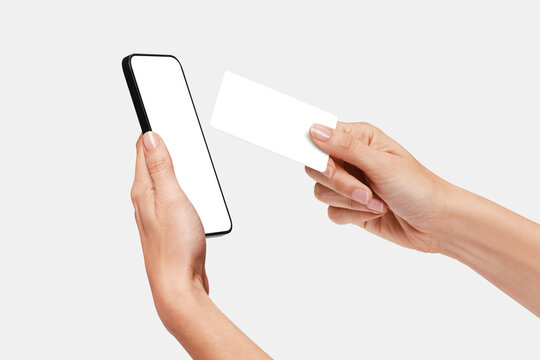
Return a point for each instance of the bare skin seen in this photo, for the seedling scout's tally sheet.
(174, 248)
(372, 182)
(423, 212)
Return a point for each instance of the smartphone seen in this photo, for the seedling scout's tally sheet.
(163, 104)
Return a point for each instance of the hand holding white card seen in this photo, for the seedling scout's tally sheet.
(270, 119)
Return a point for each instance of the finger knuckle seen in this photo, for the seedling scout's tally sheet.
(348, 143)
(158, 166)
(354, 126)
(353, 204)
(369, 131)
(365, 125)
(339, 183)
(333, 215)
(140, 195)
(318, 191)
(135, 194)
(345, 127)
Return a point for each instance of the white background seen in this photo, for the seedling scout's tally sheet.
(456, 82)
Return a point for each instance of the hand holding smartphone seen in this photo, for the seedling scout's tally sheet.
(163, 103)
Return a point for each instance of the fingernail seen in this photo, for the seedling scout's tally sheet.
(360, 195)
(319, 132)
(328, 172)
(375, 205)
(150, 141)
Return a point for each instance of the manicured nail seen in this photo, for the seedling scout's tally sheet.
(360, 195)
(150, 141)
(328, 172)
(375, 205)
(319, 132)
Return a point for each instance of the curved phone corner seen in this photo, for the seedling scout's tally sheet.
(221, 233)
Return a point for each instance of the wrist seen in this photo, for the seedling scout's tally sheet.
(466, 218)
(174, 300)
(452, 217)
(174, 289)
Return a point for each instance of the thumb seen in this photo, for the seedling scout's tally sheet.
(159, 163)
(341, 145)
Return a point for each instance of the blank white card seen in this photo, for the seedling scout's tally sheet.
(270, 119)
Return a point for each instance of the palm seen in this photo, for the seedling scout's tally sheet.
(402, 190)
(393, 228)
(401, 204)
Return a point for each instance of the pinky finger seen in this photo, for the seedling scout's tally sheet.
(343, 216)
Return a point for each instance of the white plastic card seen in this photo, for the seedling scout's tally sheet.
(270, 119)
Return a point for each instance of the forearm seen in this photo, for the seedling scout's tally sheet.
(203, 330)
(500, 245)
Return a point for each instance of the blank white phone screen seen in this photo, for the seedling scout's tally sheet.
(166, 99)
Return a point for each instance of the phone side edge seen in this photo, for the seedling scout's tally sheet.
(219, 233)
(135, 94)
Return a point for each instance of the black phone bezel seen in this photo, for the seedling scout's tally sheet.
(145, 122)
